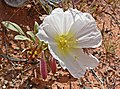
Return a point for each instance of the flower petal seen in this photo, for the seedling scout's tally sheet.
(68, 21)
(54, 23)
(86, 32)
(57, 10)
(54, 51)
(86, 60)
(76, 61)
(59, 22)
(43, 36)
(69, 17)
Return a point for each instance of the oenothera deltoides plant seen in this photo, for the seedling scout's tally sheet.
(35, 48)
(66, 34)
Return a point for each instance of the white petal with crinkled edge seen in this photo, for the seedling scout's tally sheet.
(83, 60)
(59, 22)
(84, 28)
(81, 22)
(55, 53)
(86, 32)
(54, 25)
(69, 17)
(57, 10)
(68, 21)
(75, 61)
(66, 63)
(43, 36)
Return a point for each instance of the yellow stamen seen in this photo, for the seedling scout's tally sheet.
(65, 43)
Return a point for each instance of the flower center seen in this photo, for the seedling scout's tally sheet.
(65, 43)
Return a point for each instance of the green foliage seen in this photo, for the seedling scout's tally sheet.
(49, 5)
(30, 33)
(36, 47)
(36, 25)
(13, 26)
(21, 37)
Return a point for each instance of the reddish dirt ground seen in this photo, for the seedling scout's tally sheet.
(21, 75)
(24, 16)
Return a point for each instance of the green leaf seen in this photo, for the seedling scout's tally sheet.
(21, 37)
(31, 34)
(13, 26)
(36, 25)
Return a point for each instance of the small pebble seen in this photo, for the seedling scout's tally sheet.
(4, 87)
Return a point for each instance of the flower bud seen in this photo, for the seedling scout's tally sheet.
(43, 68)
(53, 65)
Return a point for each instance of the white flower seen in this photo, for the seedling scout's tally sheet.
(66, 34)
